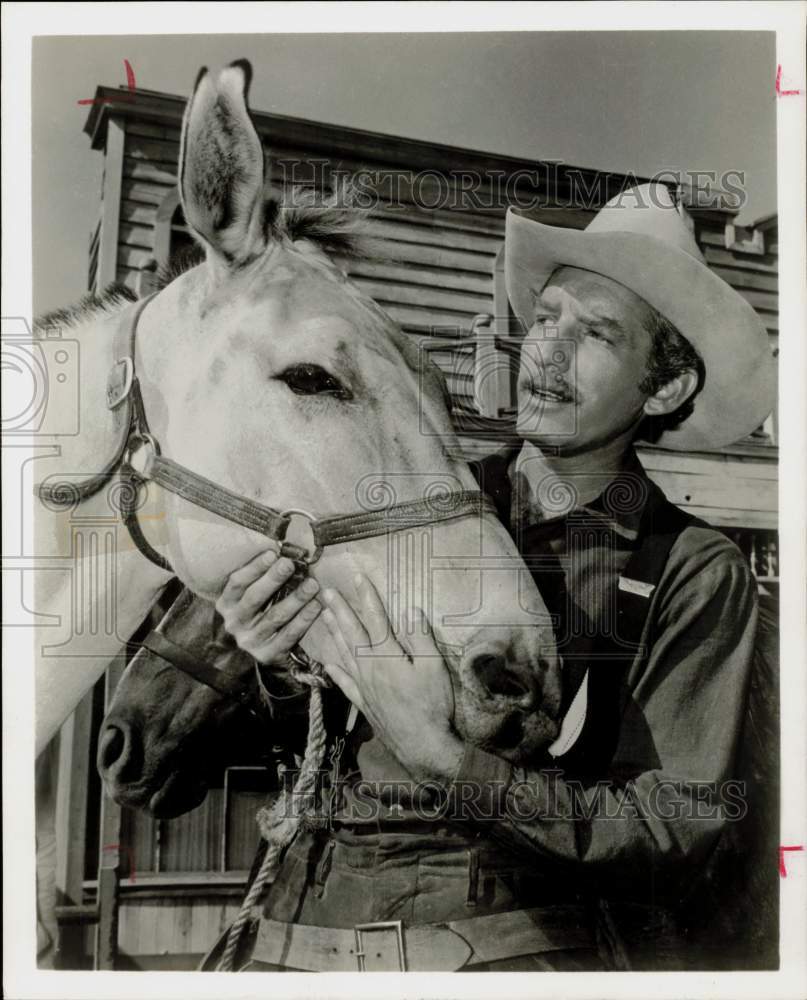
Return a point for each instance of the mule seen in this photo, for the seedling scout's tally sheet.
(165, 736)
(266, 371)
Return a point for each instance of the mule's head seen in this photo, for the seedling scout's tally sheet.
(266, 370)
(165, 735)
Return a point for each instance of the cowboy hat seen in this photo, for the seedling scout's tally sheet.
(640, 240)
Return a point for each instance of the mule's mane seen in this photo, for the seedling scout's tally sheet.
(110, 300)
(335, 225)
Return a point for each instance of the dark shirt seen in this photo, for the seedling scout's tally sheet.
(683, 703)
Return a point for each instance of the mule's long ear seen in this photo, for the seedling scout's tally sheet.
(221, 167)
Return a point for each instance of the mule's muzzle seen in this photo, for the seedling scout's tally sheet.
(118, 759)
(510, 700)
(130, 781)
(512, 679)
(500, 678)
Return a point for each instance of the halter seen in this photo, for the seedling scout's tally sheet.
(136, 443)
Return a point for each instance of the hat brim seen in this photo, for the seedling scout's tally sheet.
(740, 386)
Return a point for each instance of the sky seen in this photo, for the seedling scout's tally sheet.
(624, 101)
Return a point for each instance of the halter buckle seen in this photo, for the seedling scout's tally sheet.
(119, 383)
(314, 549)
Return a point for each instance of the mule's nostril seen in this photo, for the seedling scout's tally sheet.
(494, 673)
(111, 747)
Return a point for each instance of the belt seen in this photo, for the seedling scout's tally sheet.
(385, 946)
(423, 828)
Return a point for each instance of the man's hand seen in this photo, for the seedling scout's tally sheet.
(405, 694)
(267, 632)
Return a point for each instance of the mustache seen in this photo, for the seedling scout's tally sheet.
(559, 387)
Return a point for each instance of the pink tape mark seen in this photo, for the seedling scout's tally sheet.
(779, 91)
(782, 849)
(129, 855)
(131, 85)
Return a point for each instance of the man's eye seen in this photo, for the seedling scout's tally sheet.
(598, 335)
(313, 380)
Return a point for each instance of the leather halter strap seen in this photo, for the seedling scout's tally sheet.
(224, 684)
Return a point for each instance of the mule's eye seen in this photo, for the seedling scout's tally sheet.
(312, 380)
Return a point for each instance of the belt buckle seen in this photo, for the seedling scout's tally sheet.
(380, 925)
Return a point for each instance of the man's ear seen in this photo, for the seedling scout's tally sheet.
(221, 167)
(672, 394)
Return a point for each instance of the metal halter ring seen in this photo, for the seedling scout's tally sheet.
(316, 550)
(135, 444)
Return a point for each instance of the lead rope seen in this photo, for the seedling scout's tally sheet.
(280, 823)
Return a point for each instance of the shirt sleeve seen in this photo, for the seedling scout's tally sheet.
(662, 806)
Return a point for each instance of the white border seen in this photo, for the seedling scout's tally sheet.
(21, 21)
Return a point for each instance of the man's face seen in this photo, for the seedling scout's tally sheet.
(582, 362)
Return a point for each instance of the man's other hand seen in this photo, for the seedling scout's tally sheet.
(399, 682)
(268, 631)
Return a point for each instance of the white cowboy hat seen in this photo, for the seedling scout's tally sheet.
(640, 240)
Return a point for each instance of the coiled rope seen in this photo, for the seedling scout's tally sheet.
(280, 823)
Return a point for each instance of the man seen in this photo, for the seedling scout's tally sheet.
(572, 859)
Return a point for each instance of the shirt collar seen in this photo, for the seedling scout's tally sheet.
(620, 505)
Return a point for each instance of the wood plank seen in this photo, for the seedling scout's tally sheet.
(743, 278)
(153, 131)
(717, 466)
(146, 192)
(723, 493)
(157, 150)
(181, 849)
(490, 224)
(110, 199)
(405, 231)
(132, 258)
(168, 927)
(71, 822)
(139, 171)
(137, 236)
(459, 260)
(428, 230)
(109, 864)
(137, 213)
(129, 276)
(418, 274)
(764, 263)
(167, 883)
(71, 802)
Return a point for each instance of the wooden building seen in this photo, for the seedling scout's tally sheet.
(439, 213)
